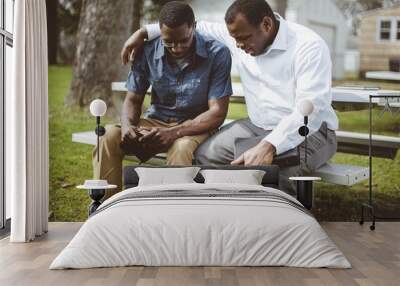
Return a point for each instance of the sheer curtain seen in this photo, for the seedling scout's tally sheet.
(27, 124)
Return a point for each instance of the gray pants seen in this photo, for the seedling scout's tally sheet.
(219, 149)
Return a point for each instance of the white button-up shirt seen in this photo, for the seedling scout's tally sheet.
(296, 66)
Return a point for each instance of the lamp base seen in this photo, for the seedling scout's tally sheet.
(305, 190)
(96, 195)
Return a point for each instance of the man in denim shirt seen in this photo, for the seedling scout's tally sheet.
(190, 79)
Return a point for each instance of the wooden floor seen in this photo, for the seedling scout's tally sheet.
(375, 257)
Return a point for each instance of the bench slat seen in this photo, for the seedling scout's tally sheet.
(363, 138)
(89, 137)
(358, 143)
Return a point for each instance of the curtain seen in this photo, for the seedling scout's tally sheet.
(27, 124)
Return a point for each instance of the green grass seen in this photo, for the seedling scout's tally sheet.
(70, 163)
(358, 120)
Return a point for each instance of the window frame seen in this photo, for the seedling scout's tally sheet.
(397, 29)
(6, 39)
(393, 31)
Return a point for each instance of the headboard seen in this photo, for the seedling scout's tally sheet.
(270, 179)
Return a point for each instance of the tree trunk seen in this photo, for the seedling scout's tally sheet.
(52, 30)
(371, 4)
(137, 14)
(103, 28)
(281, 6)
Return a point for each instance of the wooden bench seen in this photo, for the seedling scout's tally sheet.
(344, 98)
(342, 174)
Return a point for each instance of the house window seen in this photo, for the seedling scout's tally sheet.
(385, 29)
(388, 29)
(398, 31)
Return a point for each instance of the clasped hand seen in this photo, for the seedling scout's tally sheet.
(155, 136)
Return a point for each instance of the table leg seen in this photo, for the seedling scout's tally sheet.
(305, 193)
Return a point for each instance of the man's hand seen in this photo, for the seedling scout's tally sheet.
(134, 43)
(129, 133)
(261, 154)
(158, 135)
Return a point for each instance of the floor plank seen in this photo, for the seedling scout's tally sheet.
(375, 257)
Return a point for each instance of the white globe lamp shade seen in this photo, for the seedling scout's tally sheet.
(98, 107)
(306, 107)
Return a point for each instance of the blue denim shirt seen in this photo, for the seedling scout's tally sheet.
(179, 95)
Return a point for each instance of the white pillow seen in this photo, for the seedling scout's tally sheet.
(248, 177)
(166, 176)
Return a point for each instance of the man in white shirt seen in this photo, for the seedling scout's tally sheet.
(280, 63)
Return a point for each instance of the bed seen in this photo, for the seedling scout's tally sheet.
(199, 224)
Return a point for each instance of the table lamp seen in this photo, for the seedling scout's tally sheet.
(97, 188)
(98, 108)
(305, 184)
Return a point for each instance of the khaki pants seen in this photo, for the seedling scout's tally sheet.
(109, 166)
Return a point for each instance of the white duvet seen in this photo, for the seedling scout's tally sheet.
(183, 231)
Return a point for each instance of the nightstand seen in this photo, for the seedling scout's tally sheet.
(96, 191)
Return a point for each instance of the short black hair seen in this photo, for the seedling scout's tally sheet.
(176, 13)
(253, 10)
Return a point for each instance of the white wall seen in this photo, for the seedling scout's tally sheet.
(327, 20)
(213, 11)
(210, 10)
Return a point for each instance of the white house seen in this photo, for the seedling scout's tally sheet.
(323, 16)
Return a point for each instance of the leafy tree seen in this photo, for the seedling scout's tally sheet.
(353, 8)
(68, 15)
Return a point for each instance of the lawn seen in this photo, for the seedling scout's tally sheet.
(70, 163)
